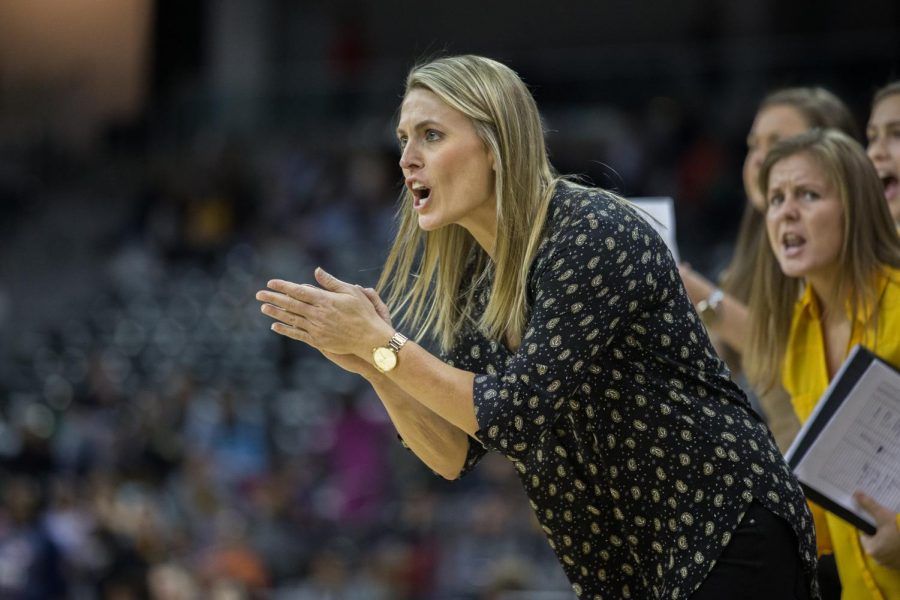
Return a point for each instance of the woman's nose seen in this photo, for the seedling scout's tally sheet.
(789, 208)
(409, 157)
(876, 149)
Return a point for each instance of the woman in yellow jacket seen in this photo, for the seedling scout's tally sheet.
(828, 279)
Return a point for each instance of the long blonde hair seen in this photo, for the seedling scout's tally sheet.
(819, 108)
(870, 243)
(423, 273)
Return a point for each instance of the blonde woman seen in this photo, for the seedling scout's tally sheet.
(723, 307)
(569, 346)
(883, 133)
(832, 245)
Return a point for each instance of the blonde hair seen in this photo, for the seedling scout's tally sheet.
(870, 243)
(819, 108)
(424, 271)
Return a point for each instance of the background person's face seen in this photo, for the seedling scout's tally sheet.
(770, 125)
(805, 220)
(883, 132)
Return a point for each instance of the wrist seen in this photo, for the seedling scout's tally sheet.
(375, 377)
(379, 335)
(386, 357)
(710, 308)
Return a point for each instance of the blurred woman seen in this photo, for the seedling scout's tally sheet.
(832, 245)
(883, 133)
(723, 308)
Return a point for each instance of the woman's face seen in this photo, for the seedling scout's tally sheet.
(770, 125)
(805, 220)
(446, 167)
(883, 131)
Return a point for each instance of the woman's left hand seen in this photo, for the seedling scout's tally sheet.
(337, 318)
(884, 546)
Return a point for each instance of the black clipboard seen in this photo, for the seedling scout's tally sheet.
(845, 380)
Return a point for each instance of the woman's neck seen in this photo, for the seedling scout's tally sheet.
(482, 225)
(831, 301)
(837, 326)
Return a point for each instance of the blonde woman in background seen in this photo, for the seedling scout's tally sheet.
(568, 345)
(883, 133)
(832, 245)
(723, 307)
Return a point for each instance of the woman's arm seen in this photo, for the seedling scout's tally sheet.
(440, 445)
(430, 403)
(340, 319)
(730, 322)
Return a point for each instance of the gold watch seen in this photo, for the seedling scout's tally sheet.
(385, 357)
(708, 308)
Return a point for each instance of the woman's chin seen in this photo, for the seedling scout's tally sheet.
(428, 223)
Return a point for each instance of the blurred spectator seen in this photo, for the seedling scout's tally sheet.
(31, 565)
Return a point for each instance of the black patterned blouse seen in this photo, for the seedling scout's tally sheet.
(638, 453)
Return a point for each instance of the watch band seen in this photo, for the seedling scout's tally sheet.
(396, 342)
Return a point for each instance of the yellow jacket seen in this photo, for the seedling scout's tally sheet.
(805, 375)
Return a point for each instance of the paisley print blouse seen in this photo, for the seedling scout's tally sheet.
(638, 454)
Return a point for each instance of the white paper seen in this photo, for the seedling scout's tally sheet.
(859, 448)
(662, 213)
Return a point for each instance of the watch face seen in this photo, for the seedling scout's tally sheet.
(384, 358)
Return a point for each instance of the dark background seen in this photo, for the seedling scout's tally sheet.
(160, 160)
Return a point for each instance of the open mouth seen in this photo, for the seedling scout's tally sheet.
(421, 196)
(792, 244)
(891, 186)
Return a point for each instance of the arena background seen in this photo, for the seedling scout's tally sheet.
(160, 160)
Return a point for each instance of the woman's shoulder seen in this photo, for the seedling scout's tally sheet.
(576, 198)
(890, 290)
(577, 210)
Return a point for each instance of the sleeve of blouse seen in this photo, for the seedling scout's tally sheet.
(460, 356)
(603, 271)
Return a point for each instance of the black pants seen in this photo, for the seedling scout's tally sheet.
(761, 561)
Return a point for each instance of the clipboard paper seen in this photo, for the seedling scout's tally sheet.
(851, 441)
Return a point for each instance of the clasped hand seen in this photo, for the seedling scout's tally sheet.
(337, 318)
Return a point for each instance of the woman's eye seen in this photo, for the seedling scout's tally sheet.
(401, 142)
(810, 195)
(775, 200)
(431, 135)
